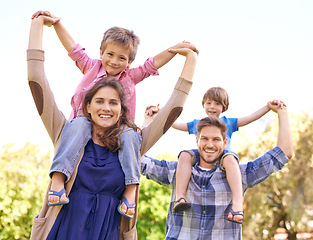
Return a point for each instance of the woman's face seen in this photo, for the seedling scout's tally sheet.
(105, 107)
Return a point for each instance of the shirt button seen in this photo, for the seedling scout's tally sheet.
(203, 212)
(95, 80)
(84, 88)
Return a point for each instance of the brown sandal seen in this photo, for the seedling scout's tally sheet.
(233, 213)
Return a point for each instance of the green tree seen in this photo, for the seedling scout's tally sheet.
(285, 199)
(23, 176)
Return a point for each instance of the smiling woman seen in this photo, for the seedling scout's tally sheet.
(104, 108)
(97, 183)
(104, 105)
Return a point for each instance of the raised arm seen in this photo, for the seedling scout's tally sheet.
(164, 57)
(52, 118)
(174, 106)
(64, 36)
(180, 126)
(253, 117)
(284, 138)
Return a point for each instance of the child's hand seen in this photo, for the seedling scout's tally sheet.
(186, 44)
(49, 19)
(151, 111)
(183, 51)
(275, 105)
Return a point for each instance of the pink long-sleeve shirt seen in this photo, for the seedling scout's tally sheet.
(93, 71)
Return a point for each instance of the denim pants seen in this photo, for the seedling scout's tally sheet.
(75, 136)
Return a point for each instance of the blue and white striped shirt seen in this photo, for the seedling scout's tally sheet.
(209, 194)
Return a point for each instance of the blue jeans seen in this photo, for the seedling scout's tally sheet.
(75, 136)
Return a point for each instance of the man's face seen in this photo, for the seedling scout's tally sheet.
(210, 145)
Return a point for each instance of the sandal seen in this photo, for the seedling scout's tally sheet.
(59, 194)
(128, 205)
(233, 213)
(180, 207)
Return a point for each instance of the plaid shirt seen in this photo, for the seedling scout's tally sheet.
(210, 195)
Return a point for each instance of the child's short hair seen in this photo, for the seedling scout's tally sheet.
(217, 94)
(121, 36)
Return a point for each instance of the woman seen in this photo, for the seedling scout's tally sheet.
(50, 218)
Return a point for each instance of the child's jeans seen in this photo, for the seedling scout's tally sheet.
(75, 136)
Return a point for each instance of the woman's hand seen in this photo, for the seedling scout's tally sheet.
(184, 51)
(48, 18)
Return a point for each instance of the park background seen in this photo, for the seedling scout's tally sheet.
(256, 50)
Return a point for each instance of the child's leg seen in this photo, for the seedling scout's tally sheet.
(57, 184)
(233, 176)
(183, 174)
(74, 138)
(128, 155)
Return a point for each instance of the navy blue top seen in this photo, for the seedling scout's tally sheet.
(97, 190)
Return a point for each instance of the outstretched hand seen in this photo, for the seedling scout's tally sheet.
(151, 111)
(183, 51)
(275, 105)
(49, 19)
(186, 44)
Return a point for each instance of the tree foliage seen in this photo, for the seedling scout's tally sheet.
(24, 179)
(285, 198)
(154, 201)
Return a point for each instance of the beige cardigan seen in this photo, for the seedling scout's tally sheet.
(54, 121)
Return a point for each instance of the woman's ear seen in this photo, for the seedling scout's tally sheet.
(87, 107)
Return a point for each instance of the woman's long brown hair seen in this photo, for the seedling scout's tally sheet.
(110, 136)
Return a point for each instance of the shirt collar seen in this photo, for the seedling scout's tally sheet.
(201, 169)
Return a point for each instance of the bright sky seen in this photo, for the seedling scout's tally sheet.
(256, 50)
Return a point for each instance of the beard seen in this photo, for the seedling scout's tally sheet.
(213, 161)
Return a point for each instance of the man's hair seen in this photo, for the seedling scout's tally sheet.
(211, 121)
(123, 37)
(217, 94)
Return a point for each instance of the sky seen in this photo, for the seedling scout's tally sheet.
(257, 50)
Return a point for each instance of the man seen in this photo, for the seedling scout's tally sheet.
(208, 189)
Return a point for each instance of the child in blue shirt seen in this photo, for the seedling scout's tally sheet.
(215, 101)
